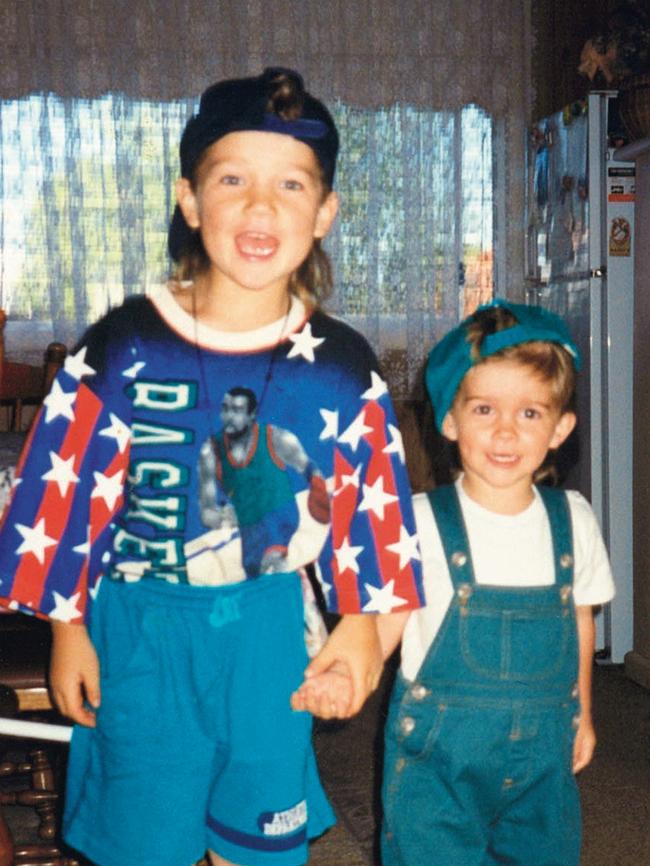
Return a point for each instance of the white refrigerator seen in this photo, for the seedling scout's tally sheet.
(580, 236)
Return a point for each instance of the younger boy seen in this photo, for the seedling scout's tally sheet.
(491, 713)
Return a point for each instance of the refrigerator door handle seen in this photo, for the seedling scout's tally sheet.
(532, 267)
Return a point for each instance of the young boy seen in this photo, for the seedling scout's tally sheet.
(174, 586)
(491, 713)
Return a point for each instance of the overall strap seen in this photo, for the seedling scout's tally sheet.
(559, 516)
(453, 534)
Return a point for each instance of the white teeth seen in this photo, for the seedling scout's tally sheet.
(257, 251)
(257, 244)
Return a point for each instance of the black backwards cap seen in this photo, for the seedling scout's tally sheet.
(241, 105)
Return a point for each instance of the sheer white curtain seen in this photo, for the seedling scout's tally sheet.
(431, 99)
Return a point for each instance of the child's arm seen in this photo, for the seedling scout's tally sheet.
(585, 741)
(74, 672)
(354, 644)
(390, 627)
(329, 694)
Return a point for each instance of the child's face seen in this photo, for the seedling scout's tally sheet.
(504, 420)
(258, 203)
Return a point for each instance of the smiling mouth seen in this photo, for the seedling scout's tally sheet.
(504, 459)
(256, 245)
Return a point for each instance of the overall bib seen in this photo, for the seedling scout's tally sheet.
(479, 747)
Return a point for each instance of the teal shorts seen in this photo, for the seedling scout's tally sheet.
(196, 746)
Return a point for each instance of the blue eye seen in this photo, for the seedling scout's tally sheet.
(292, 185)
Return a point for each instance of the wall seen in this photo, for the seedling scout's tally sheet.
(560, 29)
(637, 663)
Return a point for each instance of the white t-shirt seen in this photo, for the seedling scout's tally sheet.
(507, 550)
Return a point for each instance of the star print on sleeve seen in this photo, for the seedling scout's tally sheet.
(65, 609)
(346, 556)
(347, 479)
(72, 472)
(83, 549)
(406, 548)
(119, 431)
(331, 428)
(108, 487)
(377, 389)
(375, 498)
(58, 403)
(61, 473)
(382, 600)
(75, 365)
(352, 436)
(35, 540)
(396, 444)
(371, 510)
(304, 344)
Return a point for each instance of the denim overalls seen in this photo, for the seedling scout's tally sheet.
(479, 747)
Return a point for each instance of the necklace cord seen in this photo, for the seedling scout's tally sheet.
(269, 370)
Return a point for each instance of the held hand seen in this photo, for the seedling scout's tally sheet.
(327, 695)
(355, 644)
(584, 745)
(74, 673)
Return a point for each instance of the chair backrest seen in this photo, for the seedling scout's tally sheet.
(26, 384)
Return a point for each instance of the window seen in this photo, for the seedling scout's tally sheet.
(87, 189)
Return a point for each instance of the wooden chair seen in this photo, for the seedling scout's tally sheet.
(40, 794)
(24, 657)
(26, 384)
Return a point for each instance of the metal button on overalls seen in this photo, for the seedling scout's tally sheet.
(407, 725)
(419, 692)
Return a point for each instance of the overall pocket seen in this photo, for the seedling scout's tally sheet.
(415, 727)
(520, 644)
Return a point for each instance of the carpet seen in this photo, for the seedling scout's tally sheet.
(349, 756)
(615, 788)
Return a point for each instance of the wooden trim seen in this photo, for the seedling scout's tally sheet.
(33, 699)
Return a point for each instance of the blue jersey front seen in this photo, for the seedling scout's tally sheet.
(121, 475)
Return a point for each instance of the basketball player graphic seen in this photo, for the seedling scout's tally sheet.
(245, 483)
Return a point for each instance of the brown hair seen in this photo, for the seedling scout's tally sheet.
(550, 361)
(312, 281)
